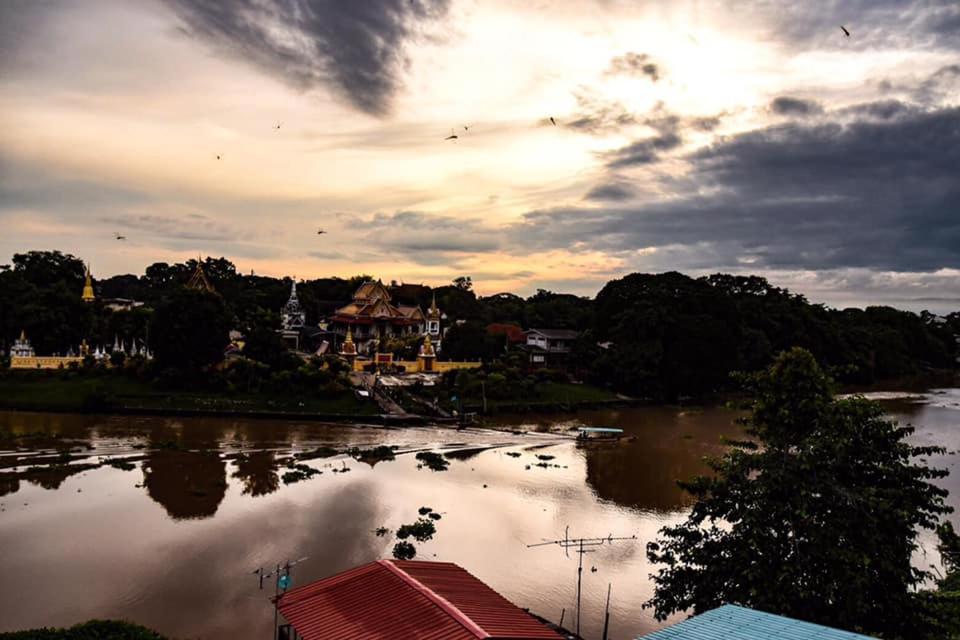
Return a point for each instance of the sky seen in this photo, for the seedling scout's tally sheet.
(748, 136)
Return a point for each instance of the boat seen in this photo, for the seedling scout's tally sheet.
(601, 434)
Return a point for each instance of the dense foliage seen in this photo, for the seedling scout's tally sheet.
(674, 335)
(661, 336)
(816, 516)
(92, 630)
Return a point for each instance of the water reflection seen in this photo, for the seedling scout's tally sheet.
(184, 567)
(189, 484)
(258, 472)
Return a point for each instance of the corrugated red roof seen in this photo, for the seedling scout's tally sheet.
(407, 599)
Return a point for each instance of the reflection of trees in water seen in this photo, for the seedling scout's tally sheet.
(9, 483)
(189, 484)
(641, 477)
(258, 472)
(52, 477)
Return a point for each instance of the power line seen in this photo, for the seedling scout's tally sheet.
(282, 582)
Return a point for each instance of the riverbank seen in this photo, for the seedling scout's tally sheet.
(77, 393)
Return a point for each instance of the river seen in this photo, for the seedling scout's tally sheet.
(172, 542)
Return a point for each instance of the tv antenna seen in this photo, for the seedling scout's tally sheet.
(581, 546)
(282, 582)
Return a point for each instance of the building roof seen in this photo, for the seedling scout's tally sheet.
(513, 332)
(407, 599)
(731, 622)
(556, 334)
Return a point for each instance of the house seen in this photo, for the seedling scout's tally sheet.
(548, 347)
(732, 622)
(405, 599)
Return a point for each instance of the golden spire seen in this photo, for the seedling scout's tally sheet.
(348, 348)
(23, 335)
(88, 295)
(427, 350)
(199, 280)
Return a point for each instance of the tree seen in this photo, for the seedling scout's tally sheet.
(464, 283)
(815, 517)
(190, 329)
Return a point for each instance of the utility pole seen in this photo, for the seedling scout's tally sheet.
(582, 546)
(281, 582)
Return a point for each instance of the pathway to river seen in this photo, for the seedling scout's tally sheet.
(172, 542)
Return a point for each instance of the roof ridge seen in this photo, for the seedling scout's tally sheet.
(444, 604)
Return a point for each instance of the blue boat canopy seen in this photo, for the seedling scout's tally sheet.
(599, 430)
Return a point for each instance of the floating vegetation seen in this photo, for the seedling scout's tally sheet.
(424, 510)
(434, 461)
(434, 516)
(319, 452)
(300, 472)
(372, 456)
(404, 551)
(514, 454)
(381, 531)
(544, 456)
(421, 530)
(123, 465)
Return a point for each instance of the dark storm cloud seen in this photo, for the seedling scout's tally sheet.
(356, 48)
(876, 194)
(788, 106)
(610, 192)
(635, 64)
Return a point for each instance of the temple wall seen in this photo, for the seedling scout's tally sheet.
(416, 366)
(43, 362)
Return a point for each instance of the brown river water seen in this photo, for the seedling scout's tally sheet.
(171, 544)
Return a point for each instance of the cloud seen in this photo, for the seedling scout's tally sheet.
(429, 239)
(595, 115)
(634, 64)
(874, 194)
(641, 152)
(788, 106)
(355, 48)
(610, 191)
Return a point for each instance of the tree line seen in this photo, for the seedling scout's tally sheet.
(663, 336)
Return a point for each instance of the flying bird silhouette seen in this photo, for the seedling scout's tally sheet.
(845, 32)
(218, 157)
(120, 237)
(320, 232)
(452, 136)
(466, 127)
(552, 121)
(278, 125)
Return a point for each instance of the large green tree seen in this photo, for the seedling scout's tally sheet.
(190, 329)
(815, 516)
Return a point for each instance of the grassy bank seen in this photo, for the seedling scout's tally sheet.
(551, 396)
(67, 391)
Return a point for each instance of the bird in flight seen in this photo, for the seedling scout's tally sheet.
(320, 232)
(120, 237)
(466, 127)
(218, 156)
(845, 32)
(552, 121)
(278, 125)
(452, 136)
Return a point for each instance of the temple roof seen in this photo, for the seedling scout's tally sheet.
(370, 291)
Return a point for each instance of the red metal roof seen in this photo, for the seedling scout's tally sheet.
(407, 599)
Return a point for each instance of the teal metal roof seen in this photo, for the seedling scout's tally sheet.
(600, 430)
(731, 622)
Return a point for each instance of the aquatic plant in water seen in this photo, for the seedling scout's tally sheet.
(434, 461)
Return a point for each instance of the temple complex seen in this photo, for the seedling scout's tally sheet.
(372, 316)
